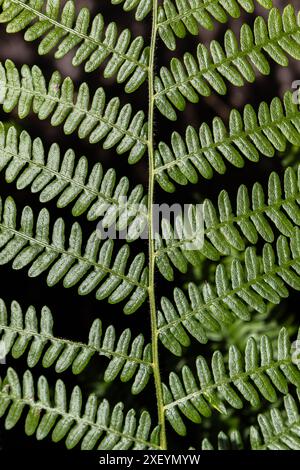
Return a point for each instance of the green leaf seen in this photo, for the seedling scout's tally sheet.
(257, 214)
(98, 425)
(245, 378)
(60, 177)
(237, 291)
(175, 19)
(247, 137)
(24, 333)
(95, 266)
(60, 27)
(91, 117)
(185, 79)
(275, 430)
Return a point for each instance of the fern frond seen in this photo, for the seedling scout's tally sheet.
(186, 79)
(277, 430)
(142, 7)
(25, 333)
(42, 249)
(257, 372)
(226, 230)
(233, 441)
(98, 425)
(61, 28)
(236, 292)
(91, 118)
(177, 18)
(248, 136)
(96, 192)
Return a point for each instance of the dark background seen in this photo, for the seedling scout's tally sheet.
(74, 314)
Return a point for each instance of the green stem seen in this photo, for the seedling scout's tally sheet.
(154, 328)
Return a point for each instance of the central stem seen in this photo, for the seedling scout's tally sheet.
(154, 329)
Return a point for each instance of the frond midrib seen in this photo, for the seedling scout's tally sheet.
(151, 248)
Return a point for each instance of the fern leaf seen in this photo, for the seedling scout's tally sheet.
(98, 425)
(97, 120)
(59, 27)
(226, 230)
(233, 441)
(255, 373)
(186, 79)
(276, 430)
(236, 292)
(95, 192)
(142, 7)
(34, 245)
(24, 333)
(248, 137)
(177, 18)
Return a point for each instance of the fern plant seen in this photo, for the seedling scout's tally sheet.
(87, 224)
